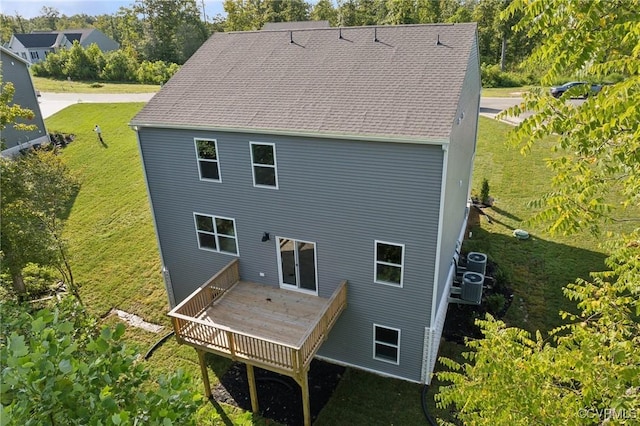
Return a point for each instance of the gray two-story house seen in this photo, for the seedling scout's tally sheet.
(321, 163)
(15, 70)
(35, 47)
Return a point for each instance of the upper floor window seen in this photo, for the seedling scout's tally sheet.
(263, 165)
(34, 55)
(389, 258)
(208, 165)
(386, 344)
(216, 233)
(24, 55)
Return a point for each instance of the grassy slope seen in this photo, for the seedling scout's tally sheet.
(44, 84)
(115, 256)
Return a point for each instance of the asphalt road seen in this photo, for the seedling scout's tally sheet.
(51, 103)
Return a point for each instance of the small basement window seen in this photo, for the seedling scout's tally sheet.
(386, 344)
(389, 258)
(207, 154)
(216, 233)
(263, 165)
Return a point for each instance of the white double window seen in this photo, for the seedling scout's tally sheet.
(216, 233)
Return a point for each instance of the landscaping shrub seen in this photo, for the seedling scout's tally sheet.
(157, 72)
(492, 76)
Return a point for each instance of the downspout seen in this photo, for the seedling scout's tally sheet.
(165, 272)
(436, 274)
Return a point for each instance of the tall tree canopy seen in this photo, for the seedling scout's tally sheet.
(588, 371)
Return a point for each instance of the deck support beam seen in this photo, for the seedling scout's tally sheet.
(205, 373)
(252, 388)
(304, 387)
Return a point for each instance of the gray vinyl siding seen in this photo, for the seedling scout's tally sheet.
(460, 163)
(16, 72)
(342, 195)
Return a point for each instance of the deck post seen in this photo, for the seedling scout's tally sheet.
(306, 408)
(252, 388)
(205, 373)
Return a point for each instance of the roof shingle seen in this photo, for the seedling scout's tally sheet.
(313, 81)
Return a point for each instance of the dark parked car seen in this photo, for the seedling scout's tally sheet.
(586, 89)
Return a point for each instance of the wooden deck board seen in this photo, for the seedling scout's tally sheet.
(279, 315)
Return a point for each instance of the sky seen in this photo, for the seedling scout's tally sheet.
(31, 8)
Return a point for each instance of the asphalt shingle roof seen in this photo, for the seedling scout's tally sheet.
(37, 39)
(403, 85)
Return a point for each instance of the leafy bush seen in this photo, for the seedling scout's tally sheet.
(60, 369)
(495, 303)
(492, 76)
(120, 66)
(157, 72)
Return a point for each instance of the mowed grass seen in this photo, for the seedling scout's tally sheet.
(505, 92)
(115, 258)
(45, 84)
(113, 247)
(541, 266)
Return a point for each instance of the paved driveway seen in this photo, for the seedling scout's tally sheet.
(50, 103)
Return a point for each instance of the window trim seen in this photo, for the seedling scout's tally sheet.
(216, 234)
(217, 160)
(396, 346)
(376, 261)
(253, 164)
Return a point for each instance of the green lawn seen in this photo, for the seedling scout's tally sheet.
(115, 257)
(70, 86)
(504, 92)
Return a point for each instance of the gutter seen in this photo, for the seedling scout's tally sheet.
(135, 125)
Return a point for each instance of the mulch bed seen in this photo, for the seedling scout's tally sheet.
(460, 321)
(279, 397)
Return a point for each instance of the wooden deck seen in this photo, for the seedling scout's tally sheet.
(261, 325)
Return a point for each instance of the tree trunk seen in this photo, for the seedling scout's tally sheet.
(503, 52)
(18, 282)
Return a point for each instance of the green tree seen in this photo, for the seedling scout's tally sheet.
(173, 29)
(324, 11)
(58, 368)
(35, 192)
(587, 371)
(8, 27)
(12, 114)
(400, 12)
(120, 66)
(78, 65)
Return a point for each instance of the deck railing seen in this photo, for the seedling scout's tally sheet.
(198, 301)
(312, 341)
(283, 358)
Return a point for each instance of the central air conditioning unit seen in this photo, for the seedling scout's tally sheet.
(477, 262)
(471, 289)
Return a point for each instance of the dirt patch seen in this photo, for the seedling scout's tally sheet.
(279, 397)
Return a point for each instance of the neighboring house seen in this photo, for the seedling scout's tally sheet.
(16, 71)
(314, 157)
(36, 46)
